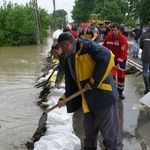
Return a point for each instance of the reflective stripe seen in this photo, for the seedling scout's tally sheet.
(122, 47)
(92, 80)
(119, 59)
(146, 40)
(116, 43)
(119, 85)
(110, 43)
(121, 88)
(104, 86)
(84, 103)
(109, 68)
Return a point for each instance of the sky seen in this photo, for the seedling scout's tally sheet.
(67, 5)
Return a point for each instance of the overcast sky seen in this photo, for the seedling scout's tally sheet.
(48, 5)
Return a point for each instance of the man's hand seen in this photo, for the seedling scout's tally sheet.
(55, 68)
(57, 85)
(118, 65)
(61, 104)
(88, 86)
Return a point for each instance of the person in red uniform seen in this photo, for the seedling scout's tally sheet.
(117, 43)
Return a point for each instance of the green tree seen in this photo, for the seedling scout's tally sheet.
(108, 12)
(143, 11)
(131, 7)
(113, 10)
(60, 18)
(20, 25)
(17, 24)
(82, 10)
(46, 21)
(98, 6)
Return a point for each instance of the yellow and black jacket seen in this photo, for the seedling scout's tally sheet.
(92, 63)
(89, 34)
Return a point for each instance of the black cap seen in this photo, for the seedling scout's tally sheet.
(54, 45)
(65, 36)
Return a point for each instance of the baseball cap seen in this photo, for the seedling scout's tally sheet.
(83, 25)
(65, 36)
(54, 45)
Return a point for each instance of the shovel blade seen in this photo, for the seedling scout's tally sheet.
(42, 121)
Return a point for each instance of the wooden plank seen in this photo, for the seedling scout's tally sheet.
(145, 99)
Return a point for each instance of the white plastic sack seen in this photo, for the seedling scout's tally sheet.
(59, 134)
(56, 34)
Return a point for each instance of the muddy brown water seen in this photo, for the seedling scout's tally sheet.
(19, 114)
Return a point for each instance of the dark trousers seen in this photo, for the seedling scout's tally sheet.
(107, 122)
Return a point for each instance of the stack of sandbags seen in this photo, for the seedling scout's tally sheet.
(59, 134)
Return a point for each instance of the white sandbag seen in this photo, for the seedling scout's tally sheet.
(58, 141)
(59, 134)
(56, 34)
(40, 80)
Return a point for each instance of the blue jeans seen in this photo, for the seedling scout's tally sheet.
(136, 48)
(146, 69)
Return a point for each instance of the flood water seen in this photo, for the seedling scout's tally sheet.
(19, 115)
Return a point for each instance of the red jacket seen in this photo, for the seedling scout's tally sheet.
(118, 46)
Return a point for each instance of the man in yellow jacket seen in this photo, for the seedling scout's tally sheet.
(89, 65)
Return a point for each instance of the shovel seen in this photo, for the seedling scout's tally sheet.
(132, 70)
(44, 83)
(43, 118)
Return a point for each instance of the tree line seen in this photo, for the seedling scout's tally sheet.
(127, 12)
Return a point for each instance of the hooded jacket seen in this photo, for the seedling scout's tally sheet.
(92, 63)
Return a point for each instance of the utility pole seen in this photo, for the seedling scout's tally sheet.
(37, 21)
(54, 15)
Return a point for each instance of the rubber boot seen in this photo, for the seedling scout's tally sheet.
(147, 85)
(90, 145)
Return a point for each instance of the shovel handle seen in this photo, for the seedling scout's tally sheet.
(119, 68)
(68, 99)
